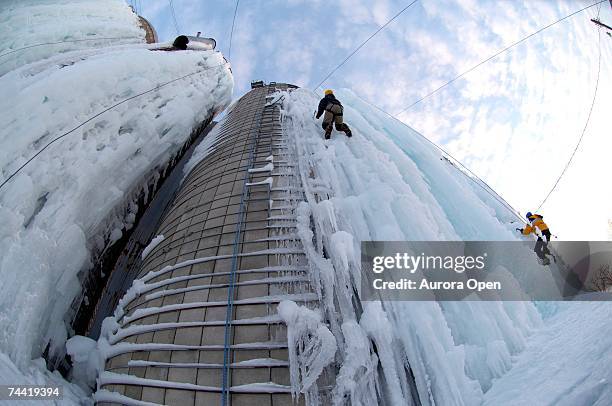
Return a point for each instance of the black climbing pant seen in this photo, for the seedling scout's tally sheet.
(541, 246)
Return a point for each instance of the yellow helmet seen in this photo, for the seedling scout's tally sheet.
(329, 91)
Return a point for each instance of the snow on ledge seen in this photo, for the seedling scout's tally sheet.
(267, 181)
(267, 168)
(154, 243)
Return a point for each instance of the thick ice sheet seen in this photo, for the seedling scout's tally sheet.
(567, 363)
(75, 198)
(388, 183)
(36, 373)
(31, 22)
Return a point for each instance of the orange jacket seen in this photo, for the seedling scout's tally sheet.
(528, 230)
(536, 222)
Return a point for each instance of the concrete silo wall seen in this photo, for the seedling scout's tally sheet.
(205, 321)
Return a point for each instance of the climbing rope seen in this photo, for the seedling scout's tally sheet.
(11, 176)
(495, 55)
(176, 26)
(229, 52)
(586, 124)
(63, 42)
(382, 27)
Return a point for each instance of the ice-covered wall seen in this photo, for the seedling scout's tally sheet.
(77, 24)
(388, 183)
(51, 211)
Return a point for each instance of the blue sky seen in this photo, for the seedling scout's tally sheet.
(514, 121)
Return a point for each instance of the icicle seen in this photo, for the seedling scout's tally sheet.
(310, 344)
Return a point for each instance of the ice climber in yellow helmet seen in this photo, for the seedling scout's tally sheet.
(333, 114)
(538, 227)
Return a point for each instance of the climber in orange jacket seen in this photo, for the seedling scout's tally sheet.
(540, 229)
